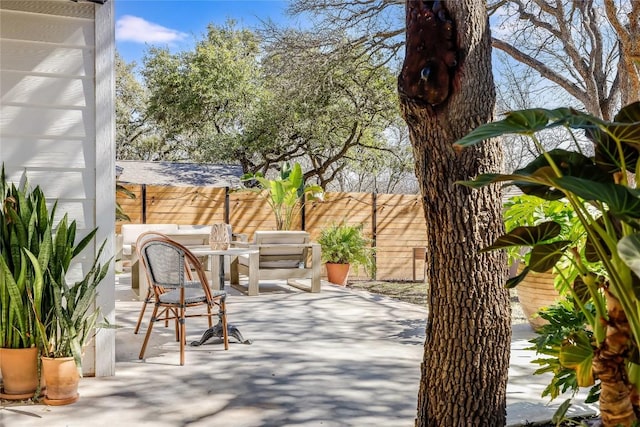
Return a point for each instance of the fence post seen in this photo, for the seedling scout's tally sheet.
(374, 231)
(303, 214)
(143, 192)
(227, 208)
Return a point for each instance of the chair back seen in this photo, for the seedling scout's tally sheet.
(272, 256)
(165, 263)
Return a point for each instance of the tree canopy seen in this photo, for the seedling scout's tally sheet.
(259, 100)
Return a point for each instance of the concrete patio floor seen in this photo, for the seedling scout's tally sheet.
(339, 358)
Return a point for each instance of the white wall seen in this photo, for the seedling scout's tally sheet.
(57, 124)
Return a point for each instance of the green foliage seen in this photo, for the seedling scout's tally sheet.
(71, 321)
(26, 230)
(346, 244)
(564, 320)
(607, 205)
(525, 210)
(284, 194)
(238, 98)
(38, 306)
(199, 98)
(120, 213)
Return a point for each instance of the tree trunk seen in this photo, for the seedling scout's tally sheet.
(466, 354)
(616, 392)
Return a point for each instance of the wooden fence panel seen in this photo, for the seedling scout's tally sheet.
(131, 207)
(185, 205)
(352, 208)
(399, 227)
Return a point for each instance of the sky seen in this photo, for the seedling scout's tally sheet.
(177, 23)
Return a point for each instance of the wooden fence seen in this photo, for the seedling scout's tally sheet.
(395, 222)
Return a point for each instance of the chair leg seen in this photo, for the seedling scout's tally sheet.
(147, 300)
(148, 334)
(183, 334)
(209, 315)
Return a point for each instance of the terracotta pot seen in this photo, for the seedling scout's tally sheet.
(62, 378)
(534, 292)
(337, 273)
(19, 367)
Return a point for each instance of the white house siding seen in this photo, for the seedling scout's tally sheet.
(57, 124)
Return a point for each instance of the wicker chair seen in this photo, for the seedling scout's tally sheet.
(169, 267)
(150, 293)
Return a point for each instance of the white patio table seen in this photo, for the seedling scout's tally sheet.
(216, 256)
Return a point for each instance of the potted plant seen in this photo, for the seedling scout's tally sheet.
(25, 235)
(343, 246)
(285, 193)
(39, 311)
(539, 289)
(68, 324)
(607, 267)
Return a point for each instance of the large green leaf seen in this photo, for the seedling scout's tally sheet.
(623, 133)
(623, 202)
(569, 163)
(545, 256)
(577, 353)
(629, 251)
(524, 122)
(526, 236)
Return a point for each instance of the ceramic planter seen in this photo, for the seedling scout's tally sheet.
(537, 290)
(19, 367)
(62, 378)
(337, 273)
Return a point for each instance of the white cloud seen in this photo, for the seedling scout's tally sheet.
(135, 29)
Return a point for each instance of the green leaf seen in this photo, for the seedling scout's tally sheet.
(523, 122)
(622, 201)
(561, 412)
(569, 163)
(577, 353)
(512, 282)
(545, 256)
(629, 251)
(526, 236)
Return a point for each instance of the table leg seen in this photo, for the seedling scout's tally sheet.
(216, 331)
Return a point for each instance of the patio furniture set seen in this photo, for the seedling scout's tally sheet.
(169, 263)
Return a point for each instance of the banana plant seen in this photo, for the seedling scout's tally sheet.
(284, 194)
(602, 192)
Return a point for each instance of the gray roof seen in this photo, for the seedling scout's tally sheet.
(179, 174)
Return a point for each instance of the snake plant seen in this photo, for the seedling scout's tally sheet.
(37, 305)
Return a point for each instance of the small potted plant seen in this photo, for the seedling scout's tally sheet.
(343, 246)
(25, 225)
(68, 324)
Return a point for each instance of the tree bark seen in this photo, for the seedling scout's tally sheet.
(466, 353)
(616, 392)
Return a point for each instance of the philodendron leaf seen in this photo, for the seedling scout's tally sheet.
(526, 236)
(623, 202)
(577, 354)
(512, 282)
(485, 179)
(524, 122)
(543, 257)
(625, 131)
(569, 163)
(629, 251)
